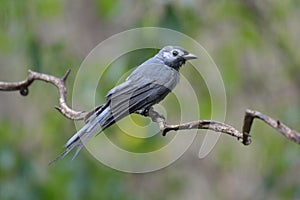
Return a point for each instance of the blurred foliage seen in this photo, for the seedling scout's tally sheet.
(255, 45)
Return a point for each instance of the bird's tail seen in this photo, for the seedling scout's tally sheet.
(101, 119)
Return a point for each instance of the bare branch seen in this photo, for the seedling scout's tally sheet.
(216, 126)
(200, 124)
(23, 86)
(250, 115)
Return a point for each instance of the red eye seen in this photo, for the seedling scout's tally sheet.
(175, 53)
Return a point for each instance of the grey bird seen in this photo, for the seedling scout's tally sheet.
(147, 85)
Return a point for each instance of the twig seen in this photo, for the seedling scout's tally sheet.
(216, 126)
(23, 86)
(250, 115)
(200, 124)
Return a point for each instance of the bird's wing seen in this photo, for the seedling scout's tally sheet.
(146, 74)
(147, 85)
(132, 98)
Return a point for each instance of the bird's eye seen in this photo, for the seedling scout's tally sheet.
(175, 53)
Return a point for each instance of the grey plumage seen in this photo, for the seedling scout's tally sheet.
(147, 85)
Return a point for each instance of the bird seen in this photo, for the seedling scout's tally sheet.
(146, 86)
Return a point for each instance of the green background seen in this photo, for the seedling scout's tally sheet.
(256, 47)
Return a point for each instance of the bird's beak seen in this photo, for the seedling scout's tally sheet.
(189, 56)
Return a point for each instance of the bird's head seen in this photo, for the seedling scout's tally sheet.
(175, 56)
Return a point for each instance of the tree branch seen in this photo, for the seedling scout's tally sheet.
(200, 124)
(63, 108)
(250, 115)
(216, 126)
